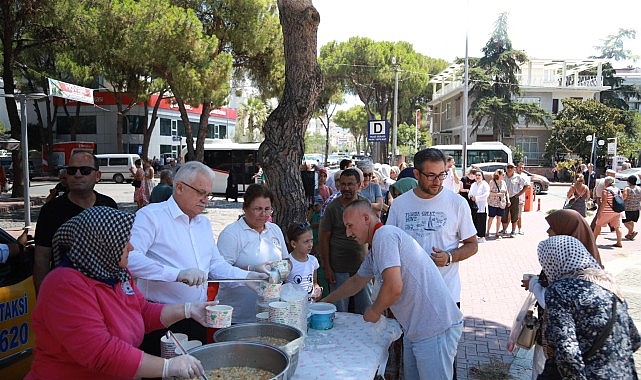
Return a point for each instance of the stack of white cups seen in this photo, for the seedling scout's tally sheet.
(279, 312)
(168, 346)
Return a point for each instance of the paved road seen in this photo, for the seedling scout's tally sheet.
(490, 279)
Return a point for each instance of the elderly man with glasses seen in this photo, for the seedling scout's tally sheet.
(82, 174)
(438, 219)
(175, 252)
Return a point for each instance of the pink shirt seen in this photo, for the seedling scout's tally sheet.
(86, 329)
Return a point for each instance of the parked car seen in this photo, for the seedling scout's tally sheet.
(622, 177)
(539, 182)
(18, 296)
(116, 166)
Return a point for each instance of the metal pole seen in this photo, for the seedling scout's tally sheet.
(25, 161)
(395, 116)
(418, 122)
(465, 102)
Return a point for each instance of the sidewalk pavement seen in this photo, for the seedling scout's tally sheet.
(492, 293)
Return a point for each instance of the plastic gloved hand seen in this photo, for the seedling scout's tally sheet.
(184, 366)
(198, 313)
(192, 276)
(261, 268)
(255, 285)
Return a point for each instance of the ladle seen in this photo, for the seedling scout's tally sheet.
(181, 348)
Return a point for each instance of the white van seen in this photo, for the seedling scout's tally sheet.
(116, 166)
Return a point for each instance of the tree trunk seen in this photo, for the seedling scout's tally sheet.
(152, 123)
(202, 131)
(189, 139)
(285, 127)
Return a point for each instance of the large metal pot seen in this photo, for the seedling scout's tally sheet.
(275, 330)
(243, 354)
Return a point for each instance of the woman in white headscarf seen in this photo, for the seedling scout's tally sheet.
(582, 300)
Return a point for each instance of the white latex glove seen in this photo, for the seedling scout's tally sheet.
(192, 276)
(184, 366)
(198, 313)
(262, 268)
(255, 285)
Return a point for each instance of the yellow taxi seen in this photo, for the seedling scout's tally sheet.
(17, 301)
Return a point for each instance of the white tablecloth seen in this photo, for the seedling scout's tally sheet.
(353, 349)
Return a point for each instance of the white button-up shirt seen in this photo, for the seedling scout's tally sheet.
(165, 242)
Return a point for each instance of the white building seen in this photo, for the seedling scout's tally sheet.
(542, 81)
(97, 123)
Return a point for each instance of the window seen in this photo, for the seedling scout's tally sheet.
(529, 145)
(137, 124)
(448, 111)
(457, 108)
(119, 161)
(165, 127)
(86, 125)
(165, 149)
(555, 106)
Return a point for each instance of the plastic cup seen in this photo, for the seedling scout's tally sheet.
(262, 317)
(528, 276)
(168, 347)
(267, 290)
(283, 268)
(279, 312)
(219, 316)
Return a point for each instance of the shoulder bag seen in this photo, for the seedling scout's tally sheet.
(618, 204)
(502, 198)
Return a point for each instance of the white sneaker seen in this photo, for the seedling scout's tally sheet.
(481, 240)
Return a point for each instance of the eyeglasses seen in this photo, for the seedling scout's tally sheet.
(84, 170)
(260, 210)
(201, 193)
(368, 174)
(431, 176)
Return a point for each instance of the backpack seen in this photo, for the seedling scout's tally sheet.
(618, 205)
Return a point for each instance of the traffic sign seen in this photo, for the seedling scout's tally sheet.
(378, 130)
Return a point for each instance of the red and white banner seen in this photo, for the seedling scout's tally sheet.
(70, 91)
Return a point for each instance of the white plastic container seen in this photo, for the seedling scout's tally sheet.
(322, 315)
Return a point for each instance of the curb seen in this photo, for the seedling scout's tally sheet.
(17, 204)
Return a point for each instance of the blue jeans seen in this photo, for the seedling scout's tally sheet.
(362, 299)
(432, 358)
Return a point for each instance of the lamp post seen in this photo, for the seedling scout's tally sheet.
(395, 115)
(22, 98)
(592, 139)
(612, 149)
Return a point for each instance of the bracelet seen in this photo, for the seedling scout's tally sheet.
(449, 258)
(187, 310)
(165, 369)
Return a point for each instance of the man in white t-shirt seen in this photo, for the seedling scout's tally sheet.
(526, 178)
(451, 181)
(411, 287)
(437, 219)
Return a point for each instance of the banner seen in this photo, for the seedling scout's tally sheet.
(70, 91)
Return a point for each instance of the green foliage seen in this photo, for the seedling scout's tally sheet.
(354, 119)
(251, 118)
(579, 119)
(517, 153)
(315, 143)
(495, 86)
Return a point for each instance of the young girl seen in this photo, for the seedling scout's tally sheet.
(304, 265)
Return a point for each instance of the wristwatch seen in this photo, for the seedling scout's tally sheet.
(449, 258)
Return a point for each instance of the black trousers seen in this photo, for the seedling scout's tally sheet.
(479, 219)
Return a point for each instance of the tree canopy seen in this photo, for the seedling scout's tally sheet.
(495, 87)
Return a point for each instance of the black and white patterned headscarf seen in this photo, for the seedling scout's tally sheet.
(92, 243)
(563, 256)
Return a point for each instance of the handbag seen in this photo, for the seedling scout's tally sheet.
(525, 326)
(569, 202)
(551, 371)
(136, 183)
(502, 199)
(590, 205)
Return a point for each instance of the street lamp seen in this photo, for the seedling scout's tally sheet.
(592, 139)
(395, 115)
(22, 98)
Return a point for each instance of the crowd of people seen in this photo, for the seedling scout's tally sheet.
(364, 247)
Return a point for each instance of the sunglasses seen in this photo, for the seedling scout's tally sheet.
(84, 170)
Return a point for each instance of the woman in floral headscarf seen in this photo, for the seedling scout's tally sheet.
(582, 300)
(90, 318)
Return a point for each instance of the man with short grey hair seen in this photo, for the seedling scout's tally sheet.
(175, 251)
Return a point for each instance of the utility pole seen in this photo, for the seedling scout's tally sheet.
(395, 115)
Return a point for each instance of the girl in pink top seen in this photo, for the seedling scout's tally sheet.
(90, 317)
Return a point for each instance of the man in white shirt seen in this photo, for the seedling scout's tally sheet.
(175, 251)
(526, 178)
(516, 186)
(452, 181)
(438, 219)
